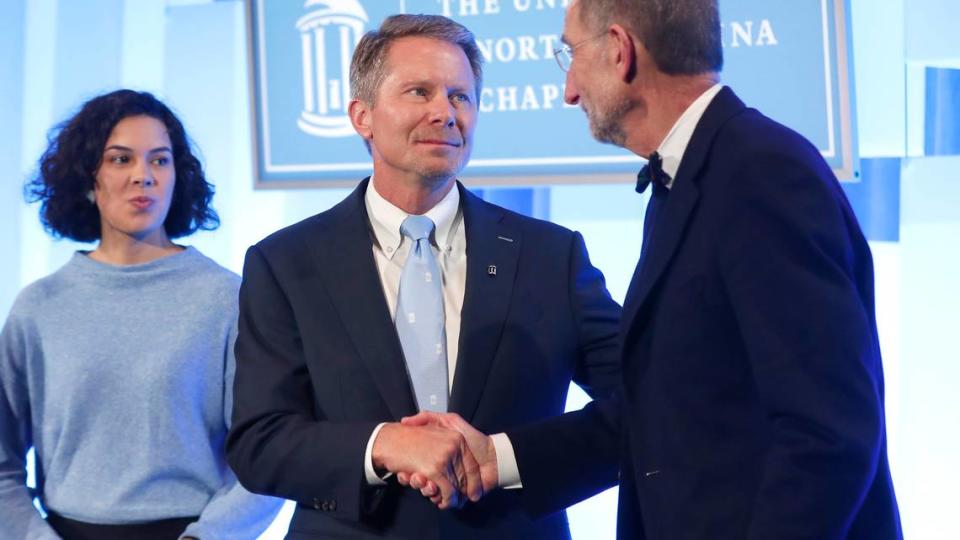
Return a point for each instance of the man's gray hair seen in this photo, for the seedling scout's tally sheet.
(683, 36)
(368, 68)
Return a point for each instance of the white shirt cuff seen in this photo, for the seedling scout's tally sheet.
(508, 474)
(368, 469)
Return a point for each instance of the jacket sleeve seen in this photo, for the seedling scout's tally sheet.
(280, 443)
(799, 276)
(567, 459)
(18, 345)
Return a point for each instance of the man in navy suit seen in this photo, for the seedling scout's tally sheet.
(323, 370)
(753, 387)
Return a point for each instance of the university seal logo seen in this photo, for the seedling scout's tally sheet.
(329, 32)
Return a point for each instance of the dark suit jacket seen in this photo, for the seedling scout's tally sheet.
(752, 369)
(752, 378)
(319, 365)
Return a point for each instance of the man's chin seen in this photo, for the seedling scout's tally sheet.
(608, 134)
(606, 124)
(437, 176)
(442, 172)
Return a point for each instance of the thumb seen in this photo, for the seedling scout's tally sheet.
(420, 419)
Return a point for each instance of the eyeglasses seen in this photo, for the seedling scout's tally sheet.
(564, 55)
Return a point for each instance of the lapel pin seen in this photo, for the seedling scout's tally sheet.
(492, 270)
(505, 239)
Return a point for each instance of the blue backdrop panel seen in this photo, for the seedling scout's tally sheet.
(11, 118)
(876, 198)
(787, 57)
(942, 131)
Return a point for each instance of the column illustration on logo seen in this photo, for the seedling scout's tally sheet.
(330, 32)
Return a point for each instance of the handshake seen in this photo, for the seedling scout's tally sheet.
(441, 455)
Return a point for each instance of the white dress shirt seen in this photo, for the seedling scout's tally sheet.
(673, 146)
(449, 244)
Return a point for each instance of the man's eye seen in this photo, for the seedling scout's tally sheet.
(419, 91)
(461, 98)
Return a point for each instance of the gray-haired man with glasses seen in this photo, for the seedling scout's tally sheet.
(753, 386)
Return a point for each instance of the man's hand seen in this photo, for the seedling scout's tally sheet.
(480, 445)
(436, 455)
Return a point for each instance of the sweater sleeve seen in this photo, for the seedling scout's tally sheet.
(18, 346)
(233, 512)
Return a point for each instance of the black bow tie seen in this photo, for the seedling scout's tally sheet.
(652, 172)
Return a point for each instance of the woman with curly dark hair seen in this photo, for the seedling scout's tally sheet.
(118, 367)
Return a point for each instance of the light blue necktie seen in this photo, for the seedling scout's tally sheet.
(420, 318)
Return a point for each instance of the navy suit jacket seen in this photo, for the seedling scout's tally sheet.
(752, 369)
(319, 365)
(753, 388)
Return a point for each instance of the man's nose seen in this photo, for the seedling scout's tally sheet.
(571, 94)
(442, 111)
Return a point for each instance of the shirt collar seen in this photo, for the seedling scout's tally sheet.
(385, 219)
(675, 143)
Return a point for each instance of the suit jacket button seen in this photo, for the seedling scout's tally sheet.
(316, 503)
(333, 506)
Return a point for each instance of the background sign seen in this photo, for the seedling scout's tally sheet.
(788, 58)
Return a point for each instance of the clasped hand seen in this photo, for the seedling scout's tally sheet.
(439, 454)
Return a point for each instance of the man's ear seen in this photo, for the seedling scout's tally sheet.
(625, 52)
(361, 118)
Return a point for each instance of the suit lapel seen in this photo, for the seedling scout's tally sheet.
(663, 243)
(491, 242)
(354, 285)
(668, 234)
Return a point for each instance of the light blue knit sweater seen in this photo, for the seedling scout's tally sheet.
(121, 377)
